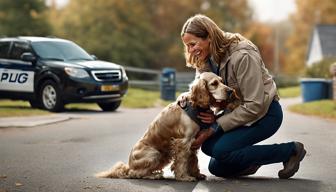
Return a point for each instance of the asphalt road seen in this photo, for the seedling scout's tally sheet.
(64, 156)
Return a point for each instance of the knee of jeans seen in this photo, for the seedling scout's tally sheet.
(220, 154)
(213, 169)
(216, 169)
(206, 150)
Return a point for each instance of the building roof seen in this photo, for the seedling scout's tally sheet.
(327, 34)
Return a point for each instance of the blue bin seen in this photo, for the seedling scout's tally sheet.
(316, 89)
(168, 84)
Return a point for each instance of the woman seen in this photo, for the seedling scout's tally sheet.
(232, 137)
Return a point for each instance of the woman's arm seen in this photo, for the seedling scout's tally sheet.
(201, 136)
(247, 67)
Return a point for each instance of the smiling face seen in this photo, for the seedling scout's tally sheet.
(197, 47)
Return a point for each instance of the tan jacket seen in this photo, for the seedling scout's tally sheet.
(247, 74)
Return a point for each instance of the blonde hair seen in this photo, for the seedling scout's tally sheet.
(203, 27)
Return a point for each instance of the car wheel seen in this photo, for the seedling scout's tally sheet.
(50, 97)
(112, 106)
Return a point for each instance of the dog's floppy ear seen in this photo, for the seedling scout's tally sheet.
(235, 95)
(199, 93)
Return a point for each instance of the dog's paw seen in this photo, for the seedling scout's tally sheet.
(186, 178)
(201, 176)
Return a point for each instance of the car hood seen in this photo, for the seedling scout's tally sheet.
(88, 64)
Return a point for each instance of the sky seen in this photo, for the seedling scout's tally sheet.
(272, 10)
(265, 10)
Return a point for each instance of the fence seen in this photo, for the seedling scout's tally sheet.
(150, 79)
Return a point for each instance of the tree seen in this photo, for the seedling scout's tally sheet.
(142, 33)
(23, 17)
(262, 36)
(308, 14)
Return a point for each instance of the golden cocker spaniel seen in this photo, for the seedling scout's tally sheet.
(170, 135)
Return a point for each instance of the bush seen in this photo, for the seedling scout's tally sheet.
(286, 81)
(320, 69)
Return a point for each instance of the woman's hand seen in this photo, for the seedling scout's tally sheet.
(201, 137)
(208, 117)
(182, 99)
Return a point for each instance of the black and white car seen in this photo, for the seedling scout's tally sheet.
(51, 72)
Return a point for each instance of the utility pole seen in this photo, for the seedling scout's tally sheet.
(276, 63)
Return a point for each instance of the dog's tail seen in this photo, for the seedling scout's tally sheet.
(119, 170)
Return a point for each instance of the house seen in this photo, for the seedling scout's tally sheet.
(322, 44)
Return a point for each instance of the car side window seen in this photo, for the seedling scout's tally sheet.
(18, 49)
(4, 48)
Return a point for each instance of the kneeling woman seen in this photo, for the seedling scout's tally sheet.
(230, 142)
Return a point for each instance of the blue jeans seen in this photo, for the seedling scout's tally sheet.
(234, 151)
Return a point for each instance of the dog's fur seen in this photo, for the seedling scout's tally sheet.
(169, 137)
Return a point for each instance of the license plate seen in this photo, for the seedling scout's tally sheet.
(109, 88)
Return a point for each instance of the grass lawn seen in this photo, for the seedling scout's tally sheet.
(290, 92)
(9, 108)
(135, 98)
(322, 108)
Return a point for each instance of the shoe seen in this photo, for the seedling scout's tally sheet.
(249, 171)
(293, 164)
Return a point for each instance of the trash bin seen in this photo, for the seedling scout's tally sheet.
(316, 89)
(168, 84)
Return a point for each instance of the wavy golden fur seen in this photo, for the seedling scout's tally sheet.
(169, 138)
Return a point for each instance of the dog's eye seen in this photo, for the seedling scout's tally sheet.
(214, 83)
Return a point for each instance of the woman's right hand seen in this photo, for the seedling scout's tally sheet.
(207, 117)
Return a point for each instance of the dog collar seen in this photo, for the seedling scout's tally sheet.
(193, 112)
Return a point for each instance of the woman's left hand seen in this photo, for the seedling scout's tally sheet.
(207, 117)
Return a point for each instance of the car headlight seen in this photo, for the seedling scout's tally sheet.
(123, 71)
(76, 72)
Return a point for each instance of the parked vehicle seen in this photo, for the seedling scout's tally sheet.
(51, 72)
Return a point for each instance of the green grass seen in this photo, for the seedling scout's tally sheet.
(139, 98)
(322, 108)
(9, 108)
(135, 98)
(290, 92)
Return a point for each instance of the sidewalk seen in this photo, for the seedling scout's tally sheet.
(7, 122)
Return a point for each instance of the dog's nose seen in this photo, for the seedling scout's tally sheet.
(229, 92)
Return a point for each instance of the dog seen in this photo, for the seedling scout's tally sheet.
(170, 136)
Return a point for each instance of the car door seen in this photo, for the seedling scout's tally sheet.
(15, 74)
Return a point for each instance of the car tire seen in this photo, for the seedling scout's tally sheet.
(112, 106)
(50, 97)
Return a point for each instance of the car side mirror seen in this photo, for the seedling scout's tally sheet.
(94, 57)
(27, 56)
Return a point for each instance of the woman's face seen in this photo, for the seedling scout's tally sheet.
(196, 46)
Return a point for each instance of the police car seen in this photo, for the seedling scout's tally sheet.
(51, 72)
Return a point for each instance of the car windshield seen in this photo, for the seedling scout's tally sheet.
(60, 50)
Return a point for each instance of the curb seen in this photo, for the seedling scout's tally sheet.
(8, 122)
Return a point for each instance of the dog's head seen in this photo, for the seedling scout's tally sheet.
(209, 90)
